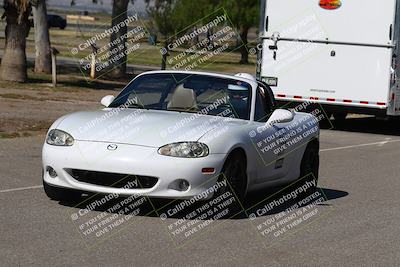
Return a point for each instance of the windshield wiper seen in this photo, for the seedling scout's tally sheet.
(188, 110)
(136, 106)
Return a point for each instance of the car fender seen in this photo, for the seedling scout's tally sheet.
(234, 137)
(57, 122)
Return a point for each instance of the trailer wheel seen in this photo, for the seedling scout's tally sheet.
(340, 116)
(328, 116)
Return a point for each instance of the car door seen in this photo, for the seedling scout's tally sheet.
(264, 138)
(286, 158)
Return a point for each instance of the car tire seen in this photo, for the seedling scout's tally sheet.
(310, 161)
(60, 194)
(234, 171)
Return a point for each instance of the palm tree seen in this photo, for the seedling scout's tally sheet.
(13, 64)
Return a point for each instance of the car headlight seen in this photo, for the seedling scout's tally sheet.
(59, 138)
(184, 150)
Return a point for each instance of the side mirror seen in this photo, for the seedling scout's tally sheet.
(280, 116)
(107, 100)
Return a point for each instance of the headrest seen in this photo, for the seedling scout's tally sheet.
(183, 98)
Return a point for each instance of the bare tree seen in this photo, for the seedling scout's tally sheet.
(119, 59)
(42, 38)
(13, 64)
(162, 14)
(244, 15)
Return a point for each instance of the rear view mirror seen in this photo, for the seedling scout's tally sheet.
(107, 100)
(281, 116)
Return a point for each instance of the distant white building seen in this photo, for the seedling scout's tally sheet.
(88, 5)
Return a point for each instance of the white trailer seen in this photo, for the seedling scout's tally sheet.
(341, 54)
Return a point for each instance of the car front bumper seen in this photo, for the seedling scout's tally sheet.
(129, 160)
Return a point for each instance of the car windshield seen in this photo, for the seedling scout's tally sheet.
(192, 93)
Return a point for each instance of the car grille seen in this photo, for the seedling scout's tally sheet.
(116, 180)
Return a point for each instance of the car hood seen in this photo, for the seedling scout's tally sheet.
(151, 128)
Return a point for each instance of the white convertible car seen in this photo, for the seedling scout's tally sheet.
(175, 134)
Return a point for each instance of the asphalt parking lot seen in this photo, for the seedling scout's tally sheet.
(359, 175)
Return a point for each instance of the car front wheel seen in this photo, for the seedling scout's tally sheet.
(234, 172)
(310, 161)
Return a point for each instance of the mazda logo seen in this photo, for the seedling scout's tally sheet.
(112, 147)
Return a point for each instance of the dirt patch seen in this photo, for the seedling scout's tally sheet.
(19, 96)
(22, 127)
(29, 109)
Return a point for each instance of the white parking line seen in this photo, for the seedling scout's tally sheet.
(21, 188)
(361, 145)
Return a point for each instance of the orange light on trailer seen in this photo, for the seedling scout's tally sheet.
(347, 101)
(364, 102)
(381, 104)
(297, 97)
(330, 4)
(314, 98)
(331, 99)
(208, 170)
(280, 95)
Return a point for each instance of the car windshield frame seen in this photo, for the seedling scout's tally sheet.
(179, 78)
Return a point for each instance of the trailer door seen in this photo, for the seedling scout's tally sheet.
(336, 51)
